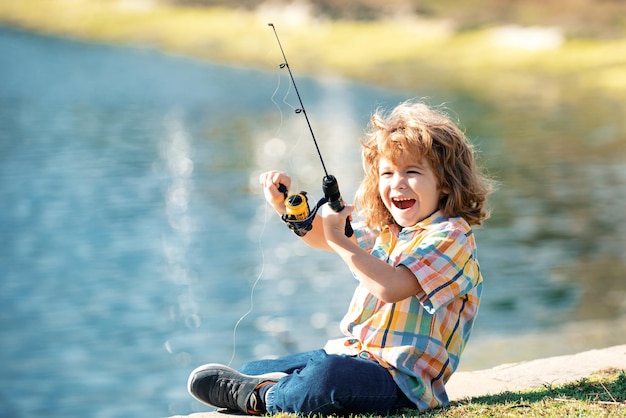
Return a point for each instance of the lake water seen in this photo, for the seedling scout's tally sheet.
(135, 237)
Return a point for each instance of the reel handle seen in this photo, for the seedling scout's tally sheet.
(283, 189)
(333, 196)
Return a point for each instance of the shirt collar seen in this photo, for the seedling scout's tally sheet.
(421, 225)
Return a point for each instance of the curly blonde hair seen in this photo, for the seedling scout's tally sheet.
(415, 130)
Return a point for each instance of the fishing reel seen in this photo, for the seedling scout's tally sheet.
(297, 206)
(299, 216)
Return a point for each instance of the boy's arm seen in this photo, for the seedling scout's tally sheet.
(315, 237)
(388, 283)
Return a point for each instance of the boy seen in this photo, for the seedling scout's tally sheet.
(415, 259)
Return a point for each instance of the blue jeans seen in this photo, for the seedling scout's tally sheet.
(321, 383)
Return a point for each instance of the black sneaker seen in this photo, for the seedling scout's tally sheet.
(222, 387)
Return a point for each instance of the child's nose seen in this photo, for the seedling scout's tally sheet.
(398, 181)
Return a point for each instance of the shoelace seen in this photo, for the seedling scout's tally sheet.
(226, 392)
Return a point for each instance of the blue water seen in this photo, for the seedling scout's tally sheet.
(135, 237)
(131, 236)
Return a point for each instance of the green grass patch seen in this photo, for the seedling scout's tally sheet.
(601, 395)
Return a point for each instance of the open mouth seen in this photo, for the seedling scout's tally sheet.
(403, 203)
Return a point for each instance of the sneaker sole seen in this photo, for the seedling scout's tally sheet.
(273, 376)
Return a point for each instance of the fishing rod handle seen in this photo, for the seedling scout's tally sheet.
(333, 196)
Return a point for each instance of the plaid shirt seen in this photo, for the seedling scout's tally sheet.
(419, 339)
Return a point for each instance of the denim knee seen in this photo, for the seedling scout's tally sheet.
(287, 364)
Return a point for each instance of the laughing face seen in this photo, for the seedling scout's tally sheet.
(409, 189)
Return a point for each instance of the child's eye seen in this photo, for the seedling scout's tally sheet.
(386, 173)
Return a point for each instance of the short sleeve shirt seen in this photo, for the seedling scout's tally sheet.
(419, 339)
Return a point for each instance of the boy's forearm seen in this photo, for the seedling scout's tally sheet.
(388, 283)
(315, 238)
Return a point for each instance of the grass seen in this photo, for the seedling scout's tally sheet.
(409, 55)
(601, 395)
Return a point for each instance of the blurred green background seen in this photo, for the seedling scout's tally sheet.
(494, 48)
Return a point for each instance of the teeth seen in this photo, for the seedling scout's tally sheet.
(403, 202)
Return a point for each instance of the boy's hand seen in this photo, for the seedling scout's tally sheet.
(335, 222)
(270, 181)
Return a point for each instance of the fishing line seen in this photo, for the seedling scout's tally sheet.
(280, 111)
(254, 285)
(330, 188)
(265, 211)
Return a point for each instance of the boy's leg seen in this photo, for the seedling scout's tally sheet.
(340, 384)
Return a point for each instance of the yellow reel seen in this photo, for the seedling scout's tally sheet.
(297, 206)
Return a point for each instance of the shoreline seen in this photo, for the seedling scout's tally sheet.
(486, 351)
(531, 374)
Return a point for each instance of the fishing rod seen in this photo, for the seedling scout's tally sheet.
(299, 217)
